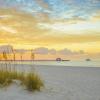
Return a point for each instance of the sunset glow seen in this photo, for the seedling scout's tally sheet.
(54, 24)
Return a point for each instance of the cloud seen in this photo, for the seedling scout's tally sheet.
(31, 30)
(41, 50)
(43, 4)
(43, 17)
(75, 28)
(52, 51)
(94, 1)
(65, 52)
(5, 16)
(8, 29)
(20, 50)
(21, 23)
(95, 17)
(54, 8)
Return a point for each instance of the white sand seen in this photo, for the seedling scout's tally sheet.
(61, 83)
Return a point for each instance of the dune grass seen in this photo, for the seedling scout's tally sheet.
(31, 80)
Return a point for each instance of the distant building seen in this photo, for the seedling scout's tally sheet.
(88, 59)
(58, 59)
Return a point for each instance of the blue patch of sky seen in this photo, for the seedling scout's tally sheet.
(59, 8)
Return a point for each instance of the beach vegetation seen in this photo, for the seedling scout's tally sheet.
(30, 80)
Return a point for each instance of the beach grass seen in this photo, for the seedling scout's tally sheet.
(33, 82)
(30, 80)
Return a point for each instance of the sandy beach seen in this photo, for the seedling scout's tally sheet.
(61, 83)
(49, 49)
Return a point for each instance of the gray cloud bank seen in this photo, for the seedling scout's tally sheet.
(65, 51)
(41, 50)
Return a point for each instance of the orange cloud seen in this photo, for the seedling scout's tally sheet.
(33, 32)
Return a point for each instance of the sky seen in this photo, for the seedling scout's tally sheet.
(51, 24)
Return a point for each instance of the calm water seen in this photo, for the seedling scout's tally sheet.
(61, 63)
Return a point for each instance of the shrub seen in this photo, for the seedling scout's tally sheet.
(33, 82)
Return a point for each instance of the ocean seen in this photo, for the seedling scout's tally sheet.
(60, 63)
